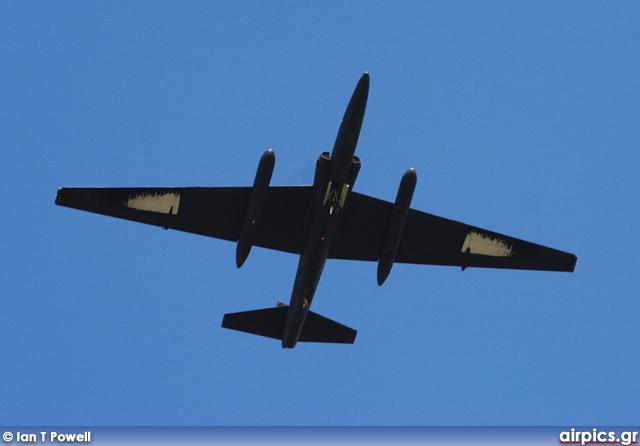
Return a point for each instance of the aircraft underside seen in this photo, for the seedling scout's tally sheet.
(325, 220)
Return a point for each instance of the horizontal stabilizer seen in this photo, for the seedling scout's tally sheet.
(267, 322)
(270, 322)
(320, 329)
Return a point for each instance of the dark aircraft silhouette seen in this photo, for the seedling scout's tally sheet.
(325, 220)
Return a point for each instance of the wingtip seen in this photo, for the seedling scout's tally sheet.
(58, 195)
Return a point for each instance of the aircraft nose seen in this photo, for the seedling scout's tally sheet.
(363, 83)
(360, 94)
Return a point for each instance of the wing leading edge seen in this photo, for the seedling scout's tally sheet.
(433, 240)
(211, 211)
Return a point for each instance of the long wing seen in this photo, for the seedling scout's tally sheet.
(212, 211)
(428, 239)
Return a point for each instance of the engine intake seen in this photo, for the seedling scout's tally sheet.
(353, 172)
(323, 166)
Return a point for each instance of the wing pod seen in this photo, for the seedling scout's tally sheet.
(396, 224)
(257, 199)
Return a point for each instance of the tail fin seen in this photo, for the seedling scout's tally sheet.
(270, 322)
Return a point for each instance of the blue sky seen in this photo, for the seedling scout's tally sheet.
(522, 118)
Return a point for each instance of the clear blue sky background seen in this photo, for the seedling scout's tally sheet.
(519, 117)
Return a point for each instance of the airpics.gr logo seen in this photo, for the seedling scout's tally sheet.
(598, 437)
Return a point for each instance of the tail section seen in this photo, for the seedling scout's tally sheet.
(320, 329)
(270, 322)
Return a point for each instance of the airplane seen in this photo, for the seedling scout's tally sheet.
(327, 220)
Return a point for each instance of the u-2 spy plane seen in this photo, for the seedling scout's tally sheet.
(327, 220)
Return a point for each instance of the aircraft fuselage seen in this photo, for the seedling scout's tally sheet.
(331, 190)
